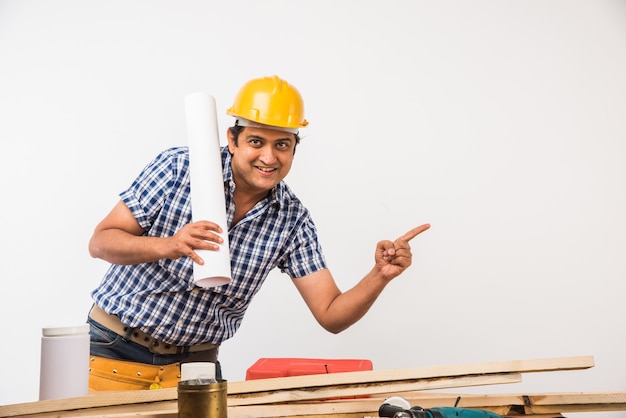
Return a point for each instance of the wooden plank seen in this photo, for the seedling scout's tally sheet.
(389, 375)
(362, 407)
(109, 402)
(306, 384)
(530, 416)
(103, 399)
(368, 389)
(543, 403)
(168, 409)
(93, 400)
(576, 402)
(161, 409)
(506, 405)
(547, 405)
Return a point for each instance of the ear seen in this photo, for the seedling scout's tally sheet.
(231, 141)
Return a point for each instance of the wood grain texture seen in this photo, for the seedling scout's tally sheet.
(307, 391)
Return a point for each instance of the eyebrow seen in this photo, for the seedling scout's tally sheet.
(254, 136)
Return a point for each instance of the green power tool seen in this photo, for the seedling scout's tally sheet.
(403, 410)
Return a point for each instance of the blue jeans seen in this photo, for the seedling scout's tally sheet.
(108, 344)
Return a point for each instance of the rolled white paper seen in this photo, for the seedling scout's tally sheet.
(207, 186)
(197, 370)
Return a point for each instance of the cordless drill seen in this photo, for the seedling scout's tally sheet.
(389, 410)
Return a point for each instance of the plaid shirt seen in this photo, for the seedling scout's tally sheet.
(160, 297)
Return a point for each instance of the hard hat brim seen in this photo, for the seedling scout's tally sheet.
(252, 124)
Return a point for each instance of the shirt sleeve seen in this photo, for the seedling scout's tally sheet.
(305, 255)
(153, 189)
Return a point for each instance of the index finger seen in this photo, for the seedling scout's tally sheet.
(208, 225)
(414, 232)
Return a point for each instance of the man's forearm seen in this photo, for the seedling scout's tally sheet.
(120, 247)
(350, 306)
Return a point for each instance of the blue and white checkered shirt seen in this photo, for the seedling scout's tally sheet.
(160, 297)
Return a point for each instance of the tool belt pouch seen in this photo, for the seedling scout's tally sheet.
(109, 374)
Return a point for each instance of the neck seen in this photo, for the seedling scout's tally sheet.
(244, 202)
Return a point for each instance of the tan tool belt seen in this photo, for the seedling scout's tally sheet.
(108, 374)
(113, 323)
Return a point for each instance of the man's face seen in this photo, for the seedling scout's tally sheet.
(262, 158)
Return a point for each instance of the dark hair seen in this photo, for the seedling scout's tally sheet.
(235, 130)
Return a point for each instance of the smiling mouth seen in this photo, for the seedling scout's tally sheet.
(266, 169)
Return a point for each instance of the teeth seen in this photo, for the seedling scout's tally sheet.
(267, 170)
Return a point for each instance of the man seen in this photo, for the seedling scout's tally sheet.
(148, 317)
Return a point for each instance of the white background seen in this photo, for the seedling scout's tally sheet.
(500, 123)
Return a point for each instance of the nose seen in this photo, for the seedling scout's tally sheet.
(267, 155)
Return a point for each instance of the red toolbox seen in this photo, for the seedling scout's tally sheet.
(283, 367)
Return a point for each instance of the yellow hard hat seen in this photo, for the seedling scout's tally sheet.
(270, 101)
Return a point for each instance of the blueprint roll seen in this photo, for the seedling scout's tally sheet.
(207, 186)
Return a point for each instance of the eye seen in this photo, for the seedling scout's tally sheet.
(283, 145)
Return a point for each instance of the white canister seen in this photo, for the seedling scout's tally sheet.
(64, 368)
(199, 370)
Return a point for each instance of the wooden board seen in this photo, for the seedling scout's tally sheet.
(507, 405)
(98, 404)
(311, 387)
(348, 378)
